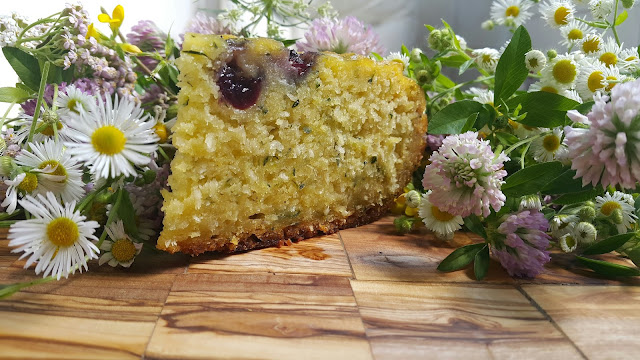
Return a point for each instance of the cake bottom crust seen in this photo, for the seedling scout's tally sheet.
(296, 232)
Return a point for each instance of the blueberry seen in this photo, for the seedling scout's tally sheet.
(239, 91)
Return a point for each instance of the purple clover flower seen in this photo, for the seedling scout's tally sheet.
(341, 36)
(204, 24)
(149, 38)
(520, 243)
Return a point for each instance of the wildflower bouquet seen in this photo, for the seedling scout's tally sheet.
(553, 168)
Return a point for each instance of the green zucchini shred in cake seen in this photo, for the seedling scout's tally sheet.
(273, 145)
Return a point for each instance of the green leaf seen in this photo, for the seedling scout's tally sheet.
(607, 268)
(453, 117)
(506, 139)
(566, 183)
(471, 120)
(465, 66)
(621, 18)
(473, 223)
(445, 81)
(543, 109)
(585, 107)
(25, 66)
(429, 27)
(127, 214)
(637, 205)
(481, 263)
(456, 42)
(13, 95)
(375, 55)
(289, 42)
(532, 179)
(578, 197)
(512, 71)
(609, 244)
(634, 255)
(453, 61)
(404, 50)
(460, 258)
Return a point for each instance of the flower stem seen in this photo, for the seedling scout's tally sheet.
(443, 93)
(36, 114)
(8, 290)
(613, 24)
(112, 215)
(521, 142)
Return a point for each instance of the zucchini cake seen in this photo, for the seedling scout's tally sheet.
(273, 145)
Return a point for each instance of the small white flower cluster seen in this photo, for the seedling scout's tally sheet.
(12, 26)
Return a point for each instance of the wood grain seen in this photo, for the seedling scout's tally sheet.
(446, 321)
(377, 252)
(318, 256)
(259, 317)
(603, 321)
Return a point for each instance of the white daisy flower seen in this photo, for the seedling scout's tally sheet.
(568, 243)
(74, 100)
(119, 248)
(629, 60)
(573, 95)
(573, 32)
(535, 60)
(601, 9)
(548, 85)
(44, 127)
(619, 201)
(562, 224)
(584, 233)
(530, 202)
(609, 53)
(483, 96)
(486, 58)
(438, 221)
(596, 77)
(462, 42)
(401, 59)
(591, 44)
(57, 237)
(549, 147)
(24, 183)
(563, 69)
(511, 12)
(58, 174)
(113, 137)
(557, 13)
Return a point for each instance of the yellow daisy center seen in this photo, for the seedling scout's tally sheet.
(29, 183)
(123, 250)
(71, 105)
(513, 124)
(609, 58)
(108, 140)
(533, 63)
(611, 84)
(63, 232)
(549, 89)
(48, 131)
(486, 58)
(441, 215)
(162, 132)
(551, 143)
(631, 58)
(594, 82)
(561, 15)
(608, 207)
(591, 45)
(570, 241)
(512, 11)
(59, 171)
(575, 34)
(564, 71)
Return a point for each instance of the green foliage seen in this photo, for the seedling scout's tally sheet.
(481, 263)
(532, 179)
(543, 109)
(453, 118)
(460, 257)
(127, 213)
(511, 71)
(608, 269)
(473, 223)
(14, 95)
(26, 66)
(608, 245)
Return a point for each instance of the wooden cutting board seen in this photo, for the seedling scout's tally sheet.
(359, 294)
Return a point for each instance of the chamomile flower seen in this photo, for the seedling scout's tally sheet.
(535, 60)
(74, 100)
(436, 220)
(113, 137)
(573, 33)
(400, 59)
(595, 77)
(563, 69)
(483, 96)
(119, 248)
(549, 147)
(49, 118)
(573, 95)
(601, 9)
(548, 85)
(22, 184)
(557, 13)
(591, 44)
(607, 204)
(629, 60)
(510, 12)
(609, 53)
(57, 237)
(568, 243)
(486, 58)
(584, 233)
(562, 224)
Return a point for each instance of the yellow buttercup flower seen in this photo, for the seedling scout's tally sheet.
(130, 48)
(92, 32)
(116, 18)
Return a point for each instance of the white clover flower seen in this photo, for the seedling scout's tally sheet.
(535, 60)
(618, 201)
(549, 147)
(601, 9)
(401, 59)
(119, 248)
(57, 237)
(441, 222)
(573, 32)
(557, 13)
(563, 69)
(112, 138)
(510, 12)
(486, 58)
(595, 77)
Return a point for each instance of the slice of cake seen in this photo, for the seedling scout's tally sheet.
(273, 145)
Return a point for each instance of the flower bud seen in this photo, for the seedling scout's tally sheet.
(616, 216)
(585, 233)
(440, 40)
(587, 213)
(488, 25)
(403, 224)
(415, 55)
(551, 54)
(7, 164)
(413, 199)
